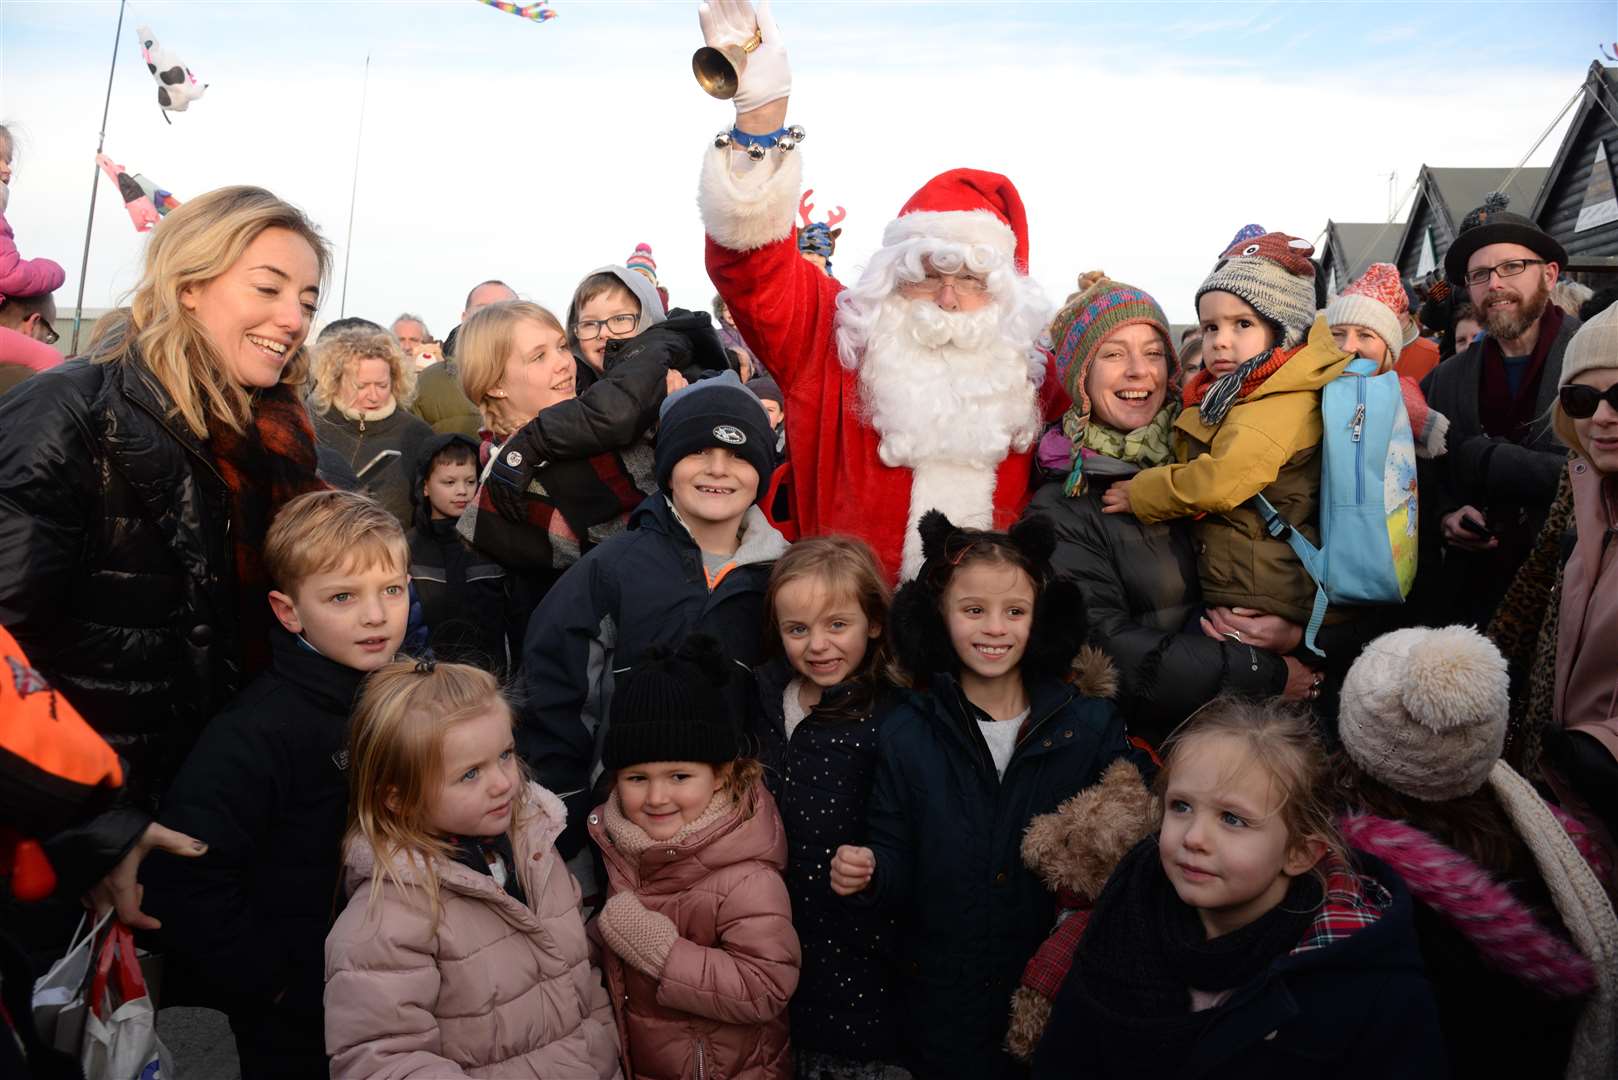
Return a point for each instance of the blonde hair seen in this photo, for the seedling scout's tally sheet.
(338, 354)
(323, 531)
(846, 566)
(1280, 738)
(195, 244)
(485, 341)
(396, 753)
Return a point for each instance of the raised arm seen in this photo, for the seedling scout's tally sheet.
(783, 305)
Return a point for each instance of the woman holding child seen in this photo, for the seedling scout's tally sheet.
(1112, 348)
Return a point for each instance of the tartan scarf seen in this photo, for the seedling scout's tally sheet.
(1147, 446)
(265, 467)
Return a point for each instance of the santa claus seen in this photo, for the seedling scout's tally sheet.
(919, 387)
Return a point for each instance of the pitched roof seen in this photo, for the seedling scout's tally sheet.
(1598, 74)
(1361, 243)
(1460, 191)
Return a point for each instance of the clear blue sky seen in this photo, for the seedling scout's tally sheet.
(1141, 135)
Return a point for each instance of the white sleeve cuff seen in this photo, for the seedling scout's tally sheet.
(745, 204)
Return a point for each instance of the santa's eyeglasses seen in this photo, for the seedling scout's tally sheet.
(933, 284)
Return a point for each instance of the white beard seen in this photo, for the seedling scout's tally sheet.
(950, 394)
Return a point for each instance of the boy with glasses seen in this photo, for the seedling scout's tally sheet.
(1497, 481)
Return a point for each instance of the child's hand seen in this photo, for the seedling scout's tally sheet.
(852, 869)
(1115, 500)
(673, 380)
(641, 937)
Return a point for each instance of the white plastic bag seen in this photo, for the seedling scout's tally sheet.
(60, 993)
(120, 1027)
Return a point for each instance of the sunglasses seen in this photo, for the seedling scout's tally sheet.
(1581, 402)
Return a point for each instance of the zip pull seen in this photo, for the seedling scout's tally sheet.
(1359, 421)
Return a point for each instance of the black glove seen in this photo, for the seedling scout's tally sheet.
(703, 350)
(512, 469)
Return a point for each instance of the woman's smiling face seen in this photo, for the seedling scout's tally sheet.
(1128, 378)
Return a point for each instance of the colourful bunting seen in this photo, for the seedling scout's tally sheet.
(540, 12)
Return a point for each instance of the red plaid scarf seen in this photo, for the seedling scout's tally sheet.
(1047, 969)
(265, 467)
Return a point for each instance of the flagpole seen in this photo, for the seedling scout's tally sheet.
(95, 183)
(354, 190)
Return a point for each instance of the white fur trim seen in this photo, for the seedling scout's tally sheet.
(747, 211)
(962, 493)
(960, 226)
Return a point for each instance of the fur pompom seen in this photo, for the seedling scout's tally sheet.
(1452, 677)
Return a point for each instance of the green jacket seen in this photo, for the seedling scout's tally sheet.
(440, 402)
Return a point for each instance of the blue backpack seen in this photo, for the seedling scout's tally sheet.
(1367, 552)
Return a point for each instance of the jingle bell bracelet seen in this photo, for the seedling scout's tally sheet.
(784, 140)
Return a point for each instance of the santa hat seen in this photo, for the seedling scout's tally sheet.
(642, 262)
(966, 206)
(1377, 302)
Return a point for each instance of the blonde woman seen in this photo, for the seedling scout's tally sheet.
(363, 388)
(589, 454)
(137, 484)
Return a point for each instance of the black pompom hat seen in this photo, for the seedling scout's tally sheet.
(671, 706)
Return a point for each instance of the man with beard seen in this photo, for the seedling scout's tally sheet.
(1500, 475)
(917, 388)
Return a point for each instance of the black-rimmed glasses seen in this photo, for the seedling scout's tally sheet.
(1508, 269)
(590, 329)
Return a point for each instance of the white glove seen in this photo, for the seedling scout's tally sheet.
(767, 77)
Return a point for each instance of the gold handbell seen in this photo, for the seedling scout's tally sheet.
(719, 71)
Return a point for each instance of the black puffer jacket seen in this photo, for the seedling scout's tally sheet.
(821, 778)
(116, 563)
(1142, 593)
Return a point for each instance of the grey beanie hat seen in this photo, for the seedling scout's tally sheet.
(1594, 346)
(1424, 711)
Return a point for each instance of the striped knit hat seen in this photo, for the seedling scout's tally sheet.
(1376, 301)
(1273, 274)
(643, 262)
(1090, 316)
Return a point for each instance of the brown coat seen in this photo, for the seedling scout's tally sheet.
(1587, 635)
(496, 989)
(719, 1010)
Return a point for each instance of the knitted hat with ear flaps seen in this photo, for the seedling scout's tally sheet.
(1090, 316)
(1424, 711)
(671, 706)
(920, 636)
(1273, 274)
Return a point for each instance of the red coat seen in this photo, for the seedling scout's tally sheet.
(786, 308)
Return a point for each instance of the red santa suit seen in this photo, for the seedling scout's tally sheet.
(786, 310)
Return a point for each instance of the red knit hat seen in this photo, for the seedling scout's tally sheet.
(968, 206)
(1376, 301)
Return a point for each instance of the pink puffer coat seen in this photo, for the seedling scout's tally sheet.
(496, 989)
(719, 1010)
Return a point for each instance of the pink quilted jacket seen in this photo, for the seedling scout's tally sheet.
(24, 277)
(496, 990)
(719, 1011)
